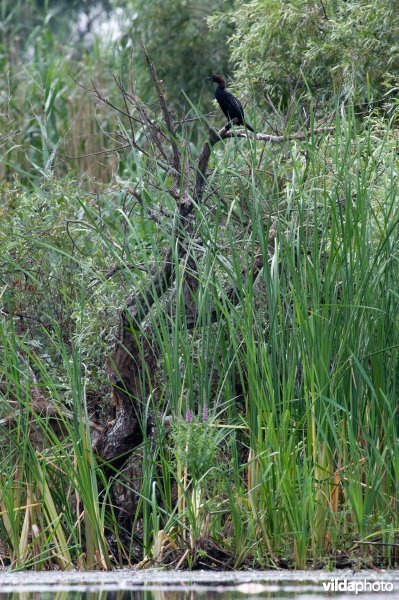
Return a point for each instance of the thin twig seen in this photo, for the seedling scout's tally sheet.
(165, 110)
(110, 151)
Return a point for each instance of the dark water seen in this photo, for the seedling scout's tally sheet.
(161, 585)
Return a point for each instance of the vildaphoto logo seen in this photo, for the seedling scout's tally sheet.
(357, 586)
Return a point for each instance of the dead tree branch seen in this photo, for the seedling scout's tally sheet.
(274, 139)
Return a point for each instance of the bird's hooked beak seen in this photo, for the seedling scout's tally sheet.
(209, 78)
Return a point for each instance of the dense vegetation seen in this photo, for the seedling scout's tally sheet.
(267, 336)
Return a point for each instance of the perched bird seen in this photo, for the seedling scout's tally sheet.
(229, 104)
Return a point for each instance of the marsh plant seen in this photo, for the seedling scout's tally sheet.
(197, 449)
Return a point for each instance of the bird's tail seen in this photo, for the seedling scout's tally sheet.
(248, 127)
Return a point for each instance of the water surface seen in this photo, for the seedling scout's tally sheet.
(198, 585)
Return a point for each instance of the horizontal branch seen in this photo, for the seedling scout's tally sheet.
(274, 139)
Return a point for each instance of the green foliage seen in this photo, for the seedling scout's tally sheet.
(54, 258)
(322, 49)
(195, 445)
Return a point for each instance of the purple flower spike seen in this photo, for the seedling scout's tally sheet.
(188, 416)
(205, 414)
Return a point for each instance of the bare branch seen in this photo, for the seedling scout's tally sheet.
(165, 110)
(105, 100)
(99, 153)
(200, 118)
(274, 139)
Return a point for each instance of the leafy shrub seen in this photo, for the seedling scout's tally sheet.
(321, 48)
